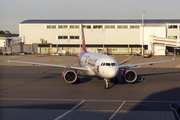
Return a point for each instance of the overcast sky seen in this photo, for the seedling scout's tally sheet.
(12, 12)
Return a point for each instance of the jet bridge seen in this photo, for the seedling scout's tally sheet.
(159, 45)
(8, 42)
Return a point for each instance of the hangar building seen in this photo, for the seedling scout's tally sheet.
(112, 36)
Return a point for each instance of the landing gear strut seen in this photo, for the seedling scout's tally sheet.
(106, 83)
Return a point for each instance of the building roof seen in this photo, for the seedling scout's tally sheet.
(146, 21)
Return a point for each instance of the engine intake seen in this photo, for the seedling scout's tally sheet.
(69, 76)
(129, 75)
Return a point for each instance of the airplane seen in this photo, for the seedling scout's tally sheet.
(95, 64)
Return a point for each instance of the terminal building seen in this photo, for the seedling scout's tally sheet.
(102, 36)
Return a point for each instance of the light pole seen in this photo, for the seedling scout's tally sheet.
(142, 31)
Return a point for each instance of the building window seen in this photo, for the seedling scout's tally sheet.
(87, 26)
(62, 37)
(172, 37)
(62, 26)
(119, 27)
(91, 49)
(172, 26)
(122, 27)
(109, 26)
(134, 26)
(78, 49)
(74, 37)
(115, 50)
(51, 26)
(123, 50)
(97, 27)
(74, 26)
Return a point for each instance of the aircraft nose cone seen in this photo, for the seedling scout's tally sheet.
(111, 72)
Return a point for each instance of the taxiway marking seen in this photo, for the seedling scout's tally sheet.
(117, 110)
(61, 116)
(39, 99)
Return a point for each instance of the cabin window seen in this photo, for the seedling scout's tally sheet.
(113, 64)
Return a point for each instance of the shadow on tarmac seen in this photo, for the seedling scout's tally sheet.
(155, 106)
(156, 102)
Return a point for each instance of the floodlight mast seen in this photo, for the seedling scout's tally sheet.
(142, 32)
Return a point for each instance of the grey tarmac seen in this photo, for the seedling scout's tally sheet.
(37, 92)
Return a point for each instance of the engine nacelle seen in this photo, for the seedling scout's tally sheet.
(129, 75)
(69, 76)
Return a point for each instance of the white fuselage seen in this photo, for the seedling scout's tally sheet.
(99, 64)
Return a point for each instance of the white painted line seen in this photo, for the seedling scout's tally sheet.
(117, 110)
(38, 99)
(135, 104)
(61, 116)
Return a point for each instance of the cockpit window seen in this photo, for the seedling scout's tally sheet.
(113, 64)
(102, 64)
(108, 64)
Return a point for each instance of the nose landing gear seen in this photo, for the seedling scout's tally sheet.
(106, 83)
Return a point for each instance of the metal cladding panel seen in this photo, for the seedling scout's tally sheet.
(32, 33)
(153, 31)
(159, 49)
(112, 36)
(74, 32)
(35, 32)
(128, 21)
(173, 32)
(123, 36)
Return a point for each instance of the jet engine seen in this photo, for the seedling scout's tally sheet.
(129, 75)
(69, 76)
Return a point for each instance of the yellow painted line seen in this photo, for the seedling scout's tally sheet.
(61, 116)
(117, 110)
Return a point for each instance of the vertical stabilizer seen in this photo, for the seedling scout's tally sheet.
(83, 40)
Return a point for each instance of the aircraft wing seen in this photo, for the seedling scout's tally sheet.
(52, 65)
(124, 61)
(148, 63)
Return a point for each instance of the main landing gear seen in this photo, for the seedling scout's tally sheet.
(106, 83)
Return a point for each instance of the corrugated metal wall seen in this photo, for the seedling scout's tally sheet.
(173, 30)
(35, 32)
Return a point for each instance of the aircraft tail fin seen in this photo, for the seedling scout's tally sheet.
(83, 40)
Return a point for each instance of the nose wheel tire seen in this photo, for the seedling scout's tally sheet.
(106, 84)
